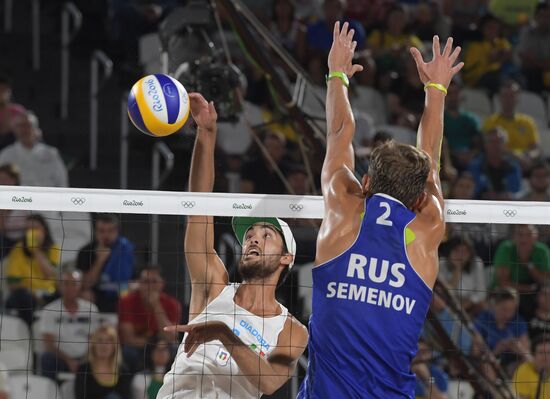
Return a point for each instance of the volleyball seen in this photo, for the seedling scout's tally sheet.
(158, 105)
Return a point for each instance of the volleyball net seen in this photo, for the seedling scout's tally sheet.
(476, 333)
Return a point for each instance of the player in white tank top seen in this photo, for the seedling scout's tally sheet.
(240, 342)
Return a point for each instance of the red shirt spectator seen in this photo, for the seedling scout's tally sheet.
(133, 310)
(146, 311)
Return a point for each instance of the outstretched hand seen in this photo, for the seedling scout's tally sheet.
(340, 57)
(441, 68)
(204, 114)
(200, 333)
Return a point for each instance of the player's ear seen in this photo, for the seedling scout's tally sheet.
(286, 259)
(365, 183)
(420, 202)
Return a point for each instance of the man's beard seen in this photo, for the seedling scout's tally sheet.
(260, 268)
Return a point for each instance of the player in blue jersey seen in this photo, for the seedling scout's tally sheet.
(376, 260)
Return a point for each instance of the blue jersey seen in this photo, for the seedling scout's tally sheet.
(369, 305)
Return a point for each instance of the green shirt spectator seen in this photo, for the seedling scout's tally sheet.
(507, 257)
(522, 261)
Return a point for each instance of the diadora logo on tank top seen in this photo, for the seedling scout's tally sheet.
(379, 271)
(255, 333)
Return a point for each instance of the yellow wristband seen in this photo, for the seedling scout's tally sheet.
(437, 86)
(341, 75)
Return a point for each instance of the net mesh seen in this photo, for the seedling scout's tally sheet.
(475, 337)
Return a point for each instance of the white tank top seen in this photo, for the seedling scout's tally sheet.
(211, 372)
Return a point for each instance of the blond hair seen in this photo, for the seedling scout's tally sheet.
(116, 357)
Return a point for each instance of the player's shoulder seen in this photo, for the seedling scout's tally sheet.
(296, 329)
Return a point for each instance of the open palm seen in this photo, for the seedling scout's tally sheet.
(204, 114)
(441, 68)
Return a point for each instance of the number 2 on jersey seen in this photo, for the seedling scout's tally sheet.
(383, 219)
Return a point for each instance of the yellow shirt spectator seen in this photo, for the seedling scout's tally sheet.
(521, 130)
(26, 270)
(477, 59)
(526, 380)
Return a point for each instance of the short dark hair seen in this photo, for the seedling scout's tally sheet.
(107, 218)
(539, 164)
(399, 170)
(12, 171)
(151, 268)
(504, 294)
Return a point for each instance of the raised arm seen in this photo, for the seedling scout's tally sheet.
(436, 75)
(207, 272)
(340, 121)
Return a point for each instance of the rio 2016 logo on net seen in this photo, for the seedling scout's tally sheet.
(153, 92)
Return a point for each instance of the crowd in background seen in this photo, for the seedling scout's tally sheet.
(495, 148)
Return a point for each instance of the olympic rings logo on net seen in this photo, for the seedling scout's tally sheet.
(188, 204)
(78, 200)
(296, 207)
(510, 213)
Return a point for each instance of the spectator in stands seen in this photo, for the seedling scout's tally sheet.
(539, 190)
(259, 175)
(465, 16)
(486, 60)
(539, 182)
(134, 18)
(540, 322)
(13, 222)
(318, 38)
(522, 263)
(503, 329)
(451, 324)
(429, 20)
(497, 175)
(285, 26)
(464, 273)
(65, 325)
(534, 50)
(431, 380)
(107, 263)
(484, 236)
(39, 163)
(463, 187)
(390, 44)
(158, 357)
(31, 269)
(527, 382)
(406, 96)
(144, 313)
(461, 129)
(104, 376)
(523, 137)
(9, 111)
(298, 180)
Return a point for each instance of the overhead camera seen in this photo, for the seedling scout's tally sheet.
(194, 57)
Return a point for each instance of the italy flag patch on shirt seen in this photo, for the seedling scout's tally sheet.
(222, 357)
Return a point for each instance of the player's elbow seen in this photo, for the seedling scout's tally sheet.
(271, 385)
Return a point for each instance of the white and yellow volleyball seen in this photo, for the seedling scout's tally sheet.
(158, 105)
